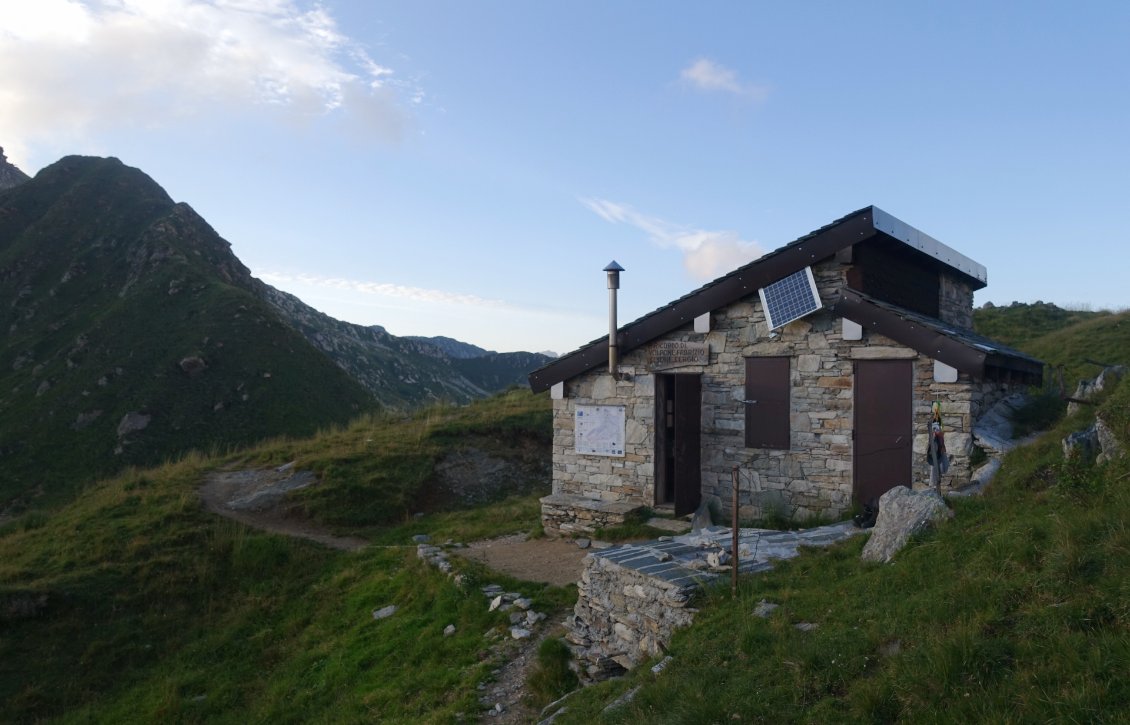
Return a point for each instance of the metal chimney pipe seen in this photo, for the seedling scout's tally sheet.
(613, 269)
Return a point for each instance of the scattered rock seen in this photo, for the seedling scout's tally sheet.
(449, 630)
(132, 422)
(622, 700)
(523, 603)
(806, 626)
(497, 603)
(890, 649)
(385, 612)
(193, 365)
(43, 388)
(519, 632)
(764, 609)
(532, 618)
(85, 419)
(661, 665)
(902, 513)
(718, 558)
(422, 539)
(583, 543)
(703, 517)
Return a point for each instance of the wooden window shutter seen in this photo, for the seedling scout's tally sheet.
(767, 420)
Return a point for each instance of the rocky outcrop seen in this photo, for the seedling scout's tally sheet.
(1097, 443)
(902, 514)
(10, 175)
(1089, 389)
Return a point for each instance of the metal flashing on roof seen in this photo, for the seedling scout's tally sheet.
(900, 230)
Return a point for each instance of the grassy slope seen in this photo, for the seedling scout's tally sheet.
(159, 611)
(1016, 611)
(1105, 339)
(1019, 323)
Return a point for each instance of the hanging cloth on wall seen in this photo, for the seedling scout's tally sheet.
(936, 454)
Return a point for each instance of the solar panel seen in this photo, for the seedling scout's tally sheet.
(790, 298)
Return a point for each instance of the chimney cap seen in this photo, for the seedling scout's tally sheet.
(613, 267)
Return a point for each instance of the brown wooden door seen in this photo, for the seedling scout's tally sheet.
(678, 417)
(884, 427)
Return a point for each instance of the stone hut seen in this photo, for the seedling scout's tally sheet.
(814, 370)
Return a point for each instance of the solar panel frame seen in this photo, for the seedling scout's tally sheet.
(790, 298)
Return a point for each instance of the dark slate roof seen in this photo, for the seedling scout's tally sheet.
(850, 229)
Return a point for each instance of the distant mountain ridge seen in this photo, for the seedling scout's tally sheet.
(453, 348)
(133, 333)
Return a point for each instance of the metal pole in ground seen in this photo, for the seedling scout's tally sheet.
(734, 537)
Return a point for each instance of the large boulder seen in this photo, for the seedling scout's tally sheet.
(902, 514)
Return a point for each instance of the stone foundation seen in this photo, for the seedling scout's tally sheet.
(563, 514)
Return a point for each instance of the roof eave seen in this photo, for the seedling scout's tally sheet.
(928, 341)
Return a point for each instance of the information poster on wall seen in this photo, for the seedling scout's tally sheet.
(599, 430)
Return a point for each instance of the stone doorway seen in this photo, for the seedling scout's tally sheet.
(678, 423)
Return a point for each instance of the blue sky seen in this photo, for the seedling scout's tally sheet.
(467, 169)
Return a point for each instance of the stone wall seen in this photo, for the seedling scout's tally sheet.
(812, 478)
(622, 616)
(955, 303)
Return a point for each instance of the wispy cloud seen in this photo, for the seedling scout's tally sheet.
(384, 289)
(706, 75)
(69, 67)
(706, 254)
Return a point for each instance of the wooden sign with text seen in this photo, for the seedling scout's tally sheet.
(676, 354)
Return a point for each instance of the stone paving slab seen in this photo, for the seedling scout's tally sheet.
(675, 526)
(670, 559)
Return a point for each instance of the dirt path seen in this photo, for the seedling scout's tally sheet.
(551, 561)
(252, 498)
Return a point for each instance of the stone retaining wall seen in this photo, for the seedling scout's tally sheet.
(622, 616)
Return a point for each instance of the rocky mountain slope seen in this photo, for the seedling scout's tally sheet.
(133, 333)
(10, 175)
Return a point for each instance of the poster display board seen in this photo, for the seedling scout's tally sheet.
(598, 430)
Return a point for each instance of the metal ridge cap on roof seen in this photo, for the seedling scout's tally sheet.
(916, 239)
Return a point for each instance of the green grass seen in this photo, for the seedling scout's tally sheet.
(158, 611)
(1104, 339)
(1016, 611)
(1020, 323)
